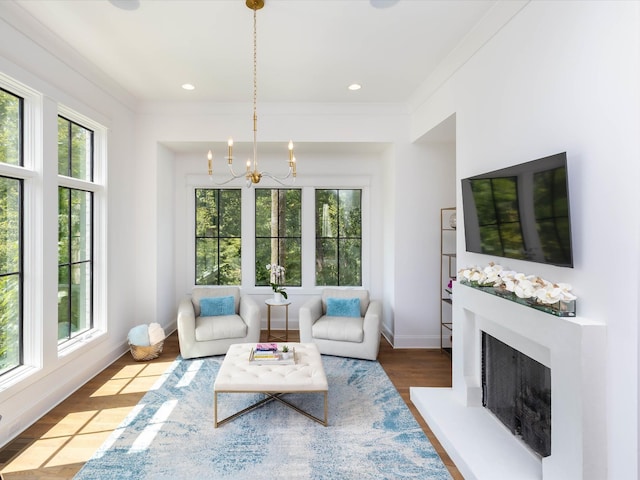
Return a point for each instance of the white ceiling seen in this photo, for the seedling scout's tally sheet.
(308, 50)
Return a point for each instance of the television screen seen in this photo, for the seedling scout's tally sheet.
(520, 212)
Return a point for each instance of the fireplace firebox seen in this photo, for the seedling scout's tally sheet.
(517, 390)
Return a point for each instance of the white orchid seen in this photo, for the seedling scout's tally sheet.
(277, 278)
(492, 274)
(525, 288)
(549, 294)
(565, 290)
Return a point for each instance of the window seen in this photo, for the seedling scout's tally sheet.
(75, 231)
(218, 242)
(11, 242)
(279, 234)
(10, 273)
(339, 237)
(75, 150)
(11, 132)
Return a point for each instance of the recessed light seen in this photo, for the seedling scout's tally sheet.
(126, 4)
(188, 86)
(383, 3)
(355, 86)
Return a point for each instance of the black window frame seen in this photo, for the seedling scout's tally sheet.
(217, 236)
(263, 276)
(338, 237)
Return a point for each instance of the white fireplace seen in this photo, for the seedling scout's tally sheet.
(480, 445)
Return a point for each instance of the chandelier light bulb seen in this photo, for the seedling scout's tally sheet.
(230, 147)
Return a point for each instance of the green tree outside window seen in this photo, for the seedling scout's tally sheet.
(11, 247)
(10, 274)
(279, 234)
(218, 236)
(75, 150)
(338, 237)
(11, 107)
(75, 231)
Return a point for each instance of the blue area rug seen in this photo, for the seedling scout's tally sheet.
(169, 434)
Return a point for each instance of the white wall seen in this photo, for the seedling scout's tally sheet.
(564, 76)
(425, 184)
(54, 377)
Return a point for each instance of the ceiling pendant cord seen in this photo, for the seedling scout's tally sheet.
(255, 90)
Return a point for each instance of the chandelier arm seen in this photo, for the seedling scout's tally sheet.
(222, 183)
(283, 183)
(277, 178)
(234, 174)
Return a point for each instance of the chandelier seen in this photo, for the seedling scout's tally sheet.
(252, 173)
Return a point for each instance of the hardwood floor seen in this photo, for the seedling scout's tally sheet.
(57, 446)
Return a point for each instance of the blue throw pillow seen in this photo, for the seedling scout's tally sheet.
(343, 307)
(216, 306)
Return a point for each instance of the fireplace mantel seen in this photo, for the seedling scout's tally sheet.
(574, 348)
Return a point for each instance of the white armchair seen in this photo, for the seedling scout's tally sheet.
(202, 336)
(344, 336)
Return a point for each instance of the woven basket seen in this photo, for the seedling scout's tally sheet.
(142, 354)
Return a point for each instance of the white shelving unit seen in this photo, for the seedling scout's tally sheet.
(448, 270)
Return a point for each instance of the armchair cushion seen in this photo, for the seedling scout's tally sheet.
(341, 329)
(343, 307)
(219, 327)
(217, 306)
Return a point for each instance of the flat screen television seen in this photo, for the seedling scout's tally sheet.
(520, 212)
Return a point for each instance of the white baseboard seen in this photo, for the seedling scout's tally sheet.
(416, 341)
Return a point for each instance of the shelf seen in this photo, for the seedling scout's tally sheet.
(447, 300)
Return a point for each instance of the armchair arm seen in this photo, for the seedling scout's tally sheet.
(373, 316)
(309, 312)
(186, 325)
(250, 313)
(371, 327)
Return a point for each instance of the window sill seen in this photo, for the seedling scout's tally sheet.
(78, 342)
(16, 376)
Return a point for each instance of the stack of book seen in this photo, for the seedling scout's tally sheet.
(266, 351)
(268, 354)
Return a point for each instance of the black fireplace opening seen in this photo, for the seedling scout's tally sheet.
(517, 390)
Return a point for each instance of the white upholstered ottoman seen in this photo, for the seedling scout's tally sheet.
(238, 375)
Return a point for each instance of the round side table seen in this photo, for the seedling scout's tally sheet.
(270, 303)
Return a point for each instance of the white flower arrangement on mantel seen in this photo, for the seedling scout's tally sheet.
(555, 298)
